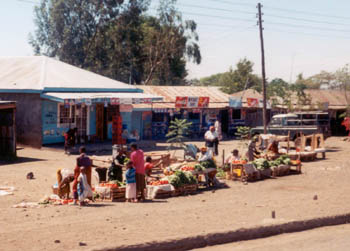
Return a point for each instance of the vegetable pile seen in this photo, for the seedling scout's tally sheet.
(208, 164)
(282, 160)
(159, 182)
(187, 168)
(180, 178)
(261, 164)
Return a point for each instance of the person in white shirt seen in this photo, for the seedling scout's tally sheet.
(233, 157)
(205, 155)
(211, 138)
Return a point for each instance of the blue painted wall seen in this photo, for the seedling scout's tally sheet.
(51, 133)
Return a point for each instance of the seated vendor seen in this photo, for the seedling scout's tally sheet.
(253, 153)
(148, 166)
(233, 157)
(273, 150)
(205, 154)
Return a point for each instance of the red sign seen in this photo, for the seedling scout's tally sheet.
(181, 102)
(203, 102)
(252, 102)
(126, 108)
(115, 101)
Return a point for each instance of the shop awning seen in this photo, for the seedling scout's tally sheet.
(98, 97)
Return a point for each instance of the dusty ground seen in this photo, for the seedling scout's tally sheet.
(321, 239)
(113, 224)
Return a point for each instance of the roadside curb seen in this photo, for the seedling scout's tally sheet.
(242, 234)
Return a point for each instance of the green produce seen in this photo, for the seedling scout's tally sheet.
(261, 164)
(174, 180)
(191, 179)
(208, 164)
(199, 168)
(126, 160)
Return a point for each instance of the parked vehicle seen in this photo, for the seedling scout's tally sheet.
(296, 123)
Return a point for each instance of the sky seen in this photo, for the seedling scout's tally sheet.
(301, 36)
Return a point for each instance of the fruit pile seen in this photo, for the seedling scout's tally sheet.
(158, 182)
(240, 162)
(187, 168)
(111, 185)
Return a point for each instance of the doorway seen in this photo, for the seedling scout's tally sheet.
(224, 121)
(101, 125)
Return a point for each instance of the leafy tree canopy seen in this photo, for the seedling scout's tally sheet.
(117, 38)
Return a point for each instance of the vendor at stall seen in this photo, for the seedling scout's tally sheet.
(115, 171)
(64, 177)
(233, 157)
(205, 154)
(252, 151)
(211, 139)
(273, 150)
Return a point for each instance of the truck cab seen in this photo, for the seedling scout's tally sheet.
(296, 123)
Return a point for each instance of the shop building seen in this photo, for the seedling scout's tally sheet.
(7, 129)
(53, 97)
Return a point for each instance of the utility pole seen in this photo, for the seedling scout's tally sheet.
(262, 67)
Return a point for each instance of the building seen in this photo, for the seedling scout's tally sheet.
(156, 117)
(53, 97)
(7, 129)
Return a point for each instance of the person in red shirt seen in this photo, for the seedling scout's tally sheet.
(137, 157)
(148, 166)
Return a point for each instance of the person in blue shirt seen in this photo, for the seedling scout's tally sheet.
(130, 175)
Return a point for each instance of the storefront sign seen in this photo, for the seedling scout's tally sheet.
(147, 100)
(126, 101)
(181, 102)
(235, 102)
(192, 102)
(115, 101)
(252, 102)
(203, 102)
(88, 101)
(125, 108)
(261, 104)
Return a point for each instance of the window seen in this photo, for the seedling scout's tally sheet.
(193, 116)
(66, 115)
(276, 122)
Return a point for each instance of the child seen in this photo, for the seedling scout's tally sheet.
(130, 175)
(84, 189)
(148, 166)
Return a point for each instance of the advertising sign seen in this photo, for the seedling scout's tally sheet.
(181, 102)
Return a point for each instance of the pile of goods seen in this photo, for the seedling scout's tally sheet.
(180, 179)
(158, 182)
(113, 190)
(239, 162)
(278, 167)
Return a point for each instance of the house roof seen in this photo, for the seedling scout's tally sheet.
(41, 73)
(217, 98)
(249, 93)
(335, 98)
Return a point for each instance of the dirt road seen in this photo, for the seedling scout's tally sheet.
(320, 239)
(114, 224)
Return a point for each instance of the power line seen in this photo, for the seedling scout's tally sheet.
(306, 12)
(307, 27)
(306, 20)
(211, 8)
(306, 33)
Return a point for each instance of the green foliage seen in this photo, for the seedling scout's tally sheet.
(178, 130)
(234, 80)
(117, 39)
(243, 132)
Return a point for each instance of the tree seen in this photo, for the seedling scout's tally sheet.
(241, 78)
(116, 38)
(178, 130)
(167, 40)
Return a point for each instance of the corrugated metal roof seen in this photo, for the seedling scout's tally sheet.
(95, 95)
(249, 93)
(335, 98)
(217, 98)
(40, 72)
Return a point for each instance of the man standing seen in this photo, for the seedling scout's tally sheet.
(211, 138)
(137, 157)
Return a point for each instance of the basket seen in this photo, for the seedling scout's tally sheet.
(162, 194)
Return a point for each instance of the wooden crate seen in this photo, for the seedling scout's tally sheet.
(185, 190)
(118, 194)
(162, 194)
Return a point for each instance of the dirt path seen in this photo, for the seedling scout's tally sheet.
(114, 224)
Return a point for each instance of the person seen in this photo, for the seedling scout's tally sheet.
(148, 166)
(252, 151)
(205, 155)
(84, 189)
(137, 157)
(115, 171)
(273, 150)
(82, 161)
(130, 176)
(69, 140)
(233, 157)
(211, 138)
(64, 177)
(217, 125)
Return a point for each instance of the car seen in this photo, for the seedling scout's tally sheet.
(296, 123)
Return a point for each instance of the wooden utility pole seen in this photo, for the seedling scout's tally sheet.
(262, 67)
